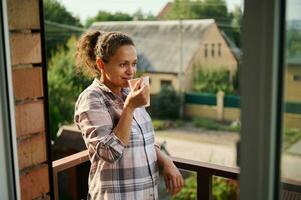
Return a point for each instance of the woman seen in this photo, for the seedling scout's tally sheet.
(116, 128)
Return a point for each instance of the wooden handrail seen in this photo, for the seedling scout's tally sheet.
(206, 168)
(70, 161)
(204, 171)
(66, 163)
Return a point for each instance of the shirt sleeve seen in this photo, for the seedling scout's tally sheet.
(95, 122)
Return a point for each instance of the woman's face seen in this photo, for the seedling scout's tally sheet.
(121, 67)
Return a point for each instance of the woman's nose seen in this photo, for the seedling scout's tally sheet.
(131, 69)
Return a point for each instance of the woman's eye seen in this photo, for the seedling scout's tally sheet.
(123, 65)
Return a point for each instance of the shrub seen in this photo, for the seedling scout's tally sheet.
(158, 124)
(222, 189)
(64, 86)
(166, 104)
(207, 123)
(189, 192)
(213, 81)
(290, 136)
(235, 127)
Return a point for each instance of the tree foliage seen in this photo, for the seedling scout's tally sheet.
(236, 21)
(139, 15)
(64, 85)
(222, 189)
(56, 12)
(209, 9)
(55, 37)
(107, 16)
(166, 104)
(293, 42)
(214, 81)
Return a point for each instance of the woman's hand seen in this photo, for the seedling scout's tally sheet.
(173, 179)
(138, 96)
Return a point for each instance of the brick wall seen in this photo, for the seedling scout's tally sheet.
(25, 43)
(224, 61)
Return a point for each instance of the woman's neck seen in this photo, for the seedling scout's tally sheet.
(116, 90)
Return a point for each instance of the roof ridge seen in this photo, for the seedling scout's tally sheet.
(157, 22)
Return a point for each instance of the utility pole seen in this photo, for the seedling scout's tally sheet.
(180, 73)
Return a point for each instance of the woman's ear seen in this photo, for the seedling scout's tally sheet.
(100, 64)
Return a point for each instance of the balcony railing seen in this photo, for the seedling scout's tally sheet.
(290, 190)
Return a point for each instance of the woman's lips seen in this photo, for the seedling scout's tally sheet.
(128, 78)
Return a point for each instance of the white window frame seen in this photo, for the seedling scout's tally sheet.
(9, 170)
(261, 99)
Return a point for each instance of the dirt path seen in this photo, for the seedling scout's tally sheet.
(216, 147)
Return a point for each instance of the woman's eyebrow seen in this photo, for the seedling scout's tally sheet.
(136, 60)
(123, 61)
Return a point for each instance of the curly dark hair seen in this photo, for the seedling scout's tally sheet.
(98, 44)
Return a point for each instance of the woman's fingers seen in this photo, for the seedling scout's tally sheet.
(182, 181)
(178, 184)
(174, 185)
(137, 85)
(167, 184)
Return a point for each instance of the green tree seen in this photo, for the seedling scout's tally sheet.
(64, 85)
(107, 16)
(56, 37)
(139, 15)
(166, 104)
(293, 40)
(208, 9)
(236, 22)
(54, 11)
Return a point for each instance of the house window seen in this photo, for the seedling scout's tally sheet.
(166, 83)
(206, 50)
(212, 50)
(297, 77)
(219, 51)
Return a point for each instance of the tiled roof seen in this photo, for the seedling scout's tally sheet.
(158, 42)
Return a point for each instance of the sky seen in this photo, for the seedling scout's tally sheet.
(89, 8)
(293, 9)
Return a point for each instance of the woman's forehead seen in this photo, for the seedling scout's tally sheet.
(126, 52)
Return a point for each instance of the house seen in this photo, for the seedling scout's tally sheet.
(164, 10)
(293, 80)
(166, 48)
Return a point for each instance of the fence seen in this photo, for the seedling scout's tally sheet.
(227, 108)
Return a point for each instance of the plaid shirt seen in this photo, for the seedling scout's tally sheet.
(117, 171)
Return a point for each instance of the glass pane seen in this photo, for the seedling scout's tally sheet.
(191, 51)
(291, 151)
(224, 188)
(196, 114)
